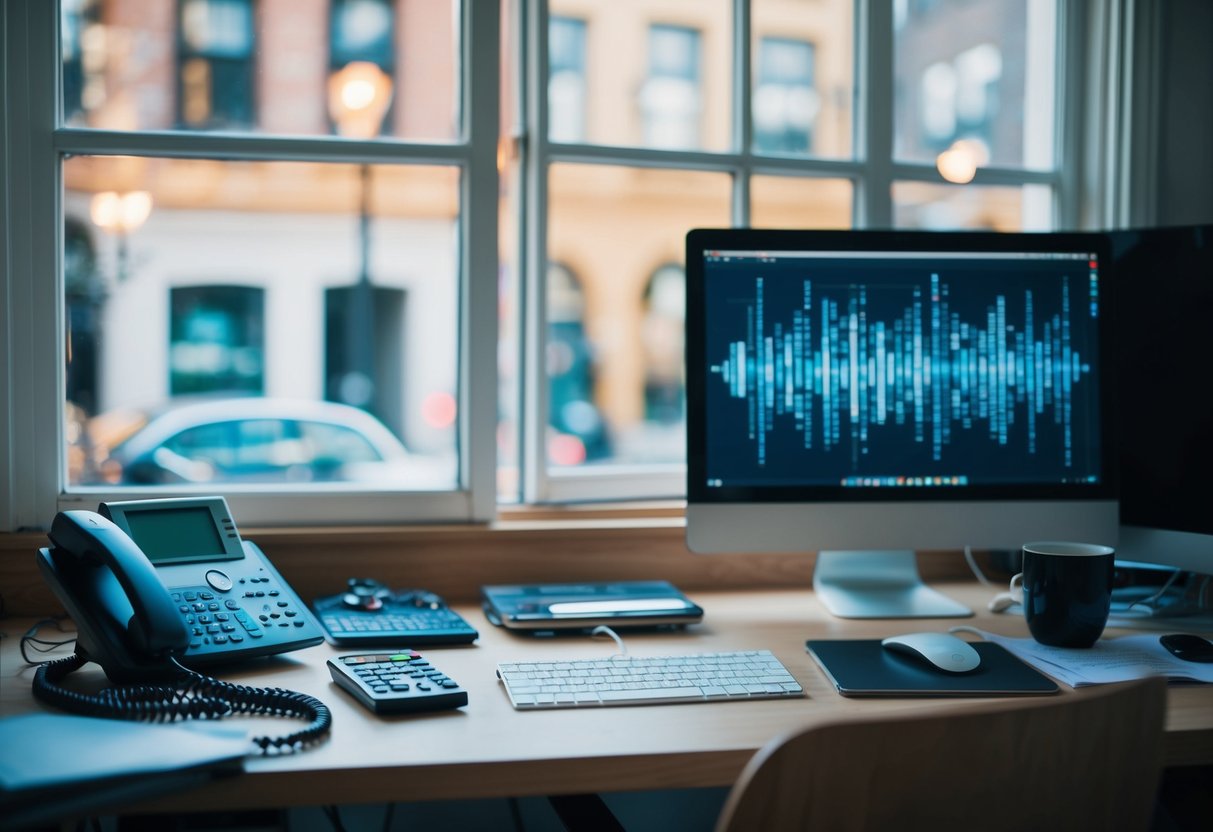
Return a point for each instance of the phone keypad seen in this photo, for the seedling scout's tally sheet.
(218, 622)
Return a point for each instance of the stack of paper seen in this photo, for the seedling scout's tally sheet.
(1109, 660)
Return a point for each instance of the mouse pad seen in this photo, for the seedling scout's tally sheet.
(865, 668)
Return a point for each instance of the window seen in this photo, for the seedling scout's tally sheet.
(221, 212)
(78, 28)
(566, 79)
(362, 31)
(576, 431)
(215, 64)
(362, 64)
(670, 97)
(216, 340)
(785, 100)
(663, 333)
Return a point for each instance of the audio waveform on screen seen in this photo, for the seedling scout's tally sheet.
(841, 369)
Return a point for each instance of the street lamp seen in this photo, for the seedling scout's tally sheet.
(359, 94)
(120, 215)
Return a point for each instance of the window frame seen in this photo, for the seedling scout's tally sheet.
(1100, 180)
(872, 169)
(31, 391)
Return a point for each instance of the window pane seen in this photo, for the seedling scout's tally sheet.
(940, 207)
(353, 67)
(616, 243)
(638, 73)
(803, 77)
(261, 322)
(800, 202)
(977, 76)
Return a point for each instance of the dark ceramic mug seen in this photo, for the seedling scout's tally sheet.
(1067, 591)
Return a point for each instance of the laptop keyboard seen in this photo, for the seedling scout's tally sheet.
(653, 680)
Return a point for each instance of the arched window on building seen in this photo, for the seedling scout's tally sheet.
(577, 431)
(663, 333)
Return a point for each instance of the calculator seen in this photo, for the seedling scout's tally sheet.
(401, 681)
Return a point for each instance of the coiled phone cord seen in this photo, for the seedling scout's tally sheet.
(197, 696)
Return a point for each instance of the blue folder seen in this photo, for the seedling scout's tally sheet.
(53, 766)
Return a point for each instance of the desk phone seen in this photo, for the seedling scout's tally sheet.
(141, 575)
(157, 587)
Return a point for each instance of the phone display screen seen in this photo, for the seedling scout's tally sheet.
(175, 535)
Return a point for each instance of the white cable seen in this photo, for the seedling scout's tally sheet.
(981, 576)
(1003, 601)
(966, 628)
(1147, 602)
(603, 629)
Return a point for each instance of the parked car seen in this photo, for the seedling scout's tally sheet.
(258, 440)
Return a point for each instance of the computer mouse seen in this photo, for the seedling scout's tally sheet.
(1189, 647)
(942, 651)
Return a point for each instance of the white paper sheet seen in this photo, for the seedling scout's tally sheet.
(1109, 660)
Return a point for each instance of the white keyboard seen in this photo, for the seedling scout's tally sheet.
(651, 680)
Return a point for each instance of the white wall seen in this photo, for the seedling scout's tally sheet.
(294, 258)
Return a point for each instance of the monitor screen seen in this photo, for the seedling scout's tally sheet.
(897, 390)
(1164, 281)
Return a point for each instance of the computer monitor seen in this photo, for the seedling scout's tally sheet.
(867, 394)
(1164, 281)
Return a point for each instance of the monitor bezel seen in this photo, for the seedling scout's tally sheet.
(701, 240)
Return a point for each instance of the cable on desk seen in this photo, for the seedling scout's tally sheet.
(333, 813)
(334, 816)
(31, 641)
(603, 629)
(516, 814)
(190, 695)
(981, 576)
(1148, 602)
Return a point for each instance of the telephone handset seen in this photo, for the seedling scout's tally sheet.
(126, 620)
(158, 587)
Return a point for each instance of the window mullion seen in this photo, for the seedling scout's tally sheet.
(478, 317)
(874, 71)
(253, 147)
(743, 111)
(535, 399)
(920, 172)
(31, 427)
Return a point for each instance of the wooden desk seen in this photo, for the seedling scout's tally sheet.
(489, 750)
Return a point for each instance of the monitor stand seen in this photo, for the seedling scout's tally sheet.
(879, 584)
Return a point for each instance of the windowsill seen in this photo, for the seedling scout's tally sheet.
(532, 544)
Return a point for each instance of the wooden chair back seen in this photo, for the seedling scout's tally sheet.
(1084, 760)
